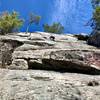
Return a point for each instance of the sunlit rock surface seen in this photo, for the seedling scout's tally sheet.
(38, 67)
(39, 51)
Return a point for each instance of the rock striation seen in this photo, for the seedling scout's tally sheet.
(38, 67)
(39, 51)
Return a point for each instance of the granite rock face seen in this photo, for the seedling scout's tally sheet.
(19, 64)
(44, 85)
(37, 67)
(39, 51)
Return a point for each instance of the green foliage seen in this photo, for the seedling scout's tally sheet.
(54, 28)
(94, 38)
(95, 21)
(9, 22)
(33, 19)
(96, 18)
(95, 3)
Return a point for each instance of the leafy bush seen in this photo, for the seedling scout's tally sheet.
(54, 28)
(9, 22)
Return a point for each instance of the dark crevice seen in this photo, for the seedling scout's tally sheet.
(82, 37)
(7, 49)
(13, 43)
(93, 83)
(62, 66)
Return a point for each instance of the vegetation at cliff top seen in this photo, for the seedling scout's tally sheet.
(96, 18)
(95, 3)
(33, 19)
(9, 22)
(95, 21)
(54, 28)
(94, 38)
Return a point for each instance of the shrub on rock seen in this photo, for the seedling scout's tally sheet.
(54, 28)
(9, 22)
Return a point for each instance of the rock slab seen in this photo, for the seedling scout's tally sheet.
(39, 51)
(64, 68)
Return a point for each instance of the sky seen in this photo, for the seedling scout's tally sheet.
(72, 14)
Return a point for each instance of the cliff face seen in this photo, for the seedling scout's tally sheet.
(48, 67)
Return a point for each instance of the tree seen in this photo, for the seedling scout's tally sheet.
(33, 19)
(94, 38)
(95, 21)
(96, 18)
(95, 3)
(54, 28)
(9, 22)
